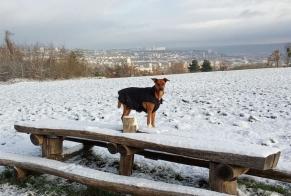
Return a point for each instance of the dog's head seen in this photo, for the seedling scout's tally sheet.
(160, 83)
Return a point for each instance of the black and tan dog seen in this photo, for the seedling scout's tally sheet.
(143, 99)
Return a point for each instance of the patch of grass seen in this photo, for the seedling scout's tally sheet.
(49, 185)
(249, 183)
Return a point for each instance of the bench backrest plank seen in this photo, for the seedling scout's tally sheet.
(102, 180)
(240, 154)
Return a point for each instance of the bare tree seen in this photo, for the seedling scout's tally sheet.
(288, 53)
(274, 57)
(223, 65)
(177, 68)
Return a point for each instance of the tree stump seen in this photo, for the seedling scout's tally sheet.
(223, 178)
(129, 124)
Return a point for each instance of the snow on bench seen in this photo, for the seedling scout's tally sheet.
(99, 179)
(228, 152)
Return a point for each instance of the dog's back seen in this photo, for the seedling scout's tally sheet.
(133, 97)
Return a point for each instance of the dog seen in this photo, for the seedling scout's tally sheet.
(143, 99)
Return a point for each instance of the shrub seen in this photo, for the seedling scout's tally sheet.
(206, 66)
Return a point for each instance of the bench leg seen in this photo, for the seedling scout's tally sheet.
(87, 149)
(126, 159)
(223, 178)
(126, 164)
(52, 147)
(20, 173)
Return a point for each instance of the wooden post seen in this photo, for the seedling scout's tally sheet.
(129, 124)
(126, 155)
(87, 149)
(52, 147)
(126, 161)
(223, 178)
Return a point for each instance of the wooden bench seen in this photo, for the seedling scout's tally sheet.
(227, 160)
(99, 179)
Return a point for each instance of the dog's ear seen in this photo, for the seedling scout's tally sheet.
(166, 80)
(155, 79)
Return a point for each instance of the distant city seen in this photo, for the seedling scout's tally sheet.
(147, 59)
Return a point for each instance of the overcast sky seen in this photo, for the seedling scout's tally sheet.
(100, 24)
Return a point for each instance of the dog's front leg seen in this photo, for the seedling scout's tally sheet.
(149, 120)
(153, 119)
(149, 108)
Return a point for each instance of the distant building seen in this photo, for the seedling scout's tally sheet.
(128, 61)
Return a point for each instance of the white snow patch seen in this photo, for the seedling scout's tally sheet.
(215, 101)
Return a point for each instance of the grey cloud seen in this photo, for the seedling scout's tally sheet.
(135, 23)
(250, 13)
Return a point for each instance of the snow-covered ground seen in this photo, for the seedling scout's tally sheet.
(251, 106)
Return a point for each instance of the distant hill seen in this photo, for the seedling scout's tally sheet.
(249, 49)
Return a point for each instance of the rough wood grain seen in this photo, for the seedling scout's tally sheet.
(52, 147)
(259, 163)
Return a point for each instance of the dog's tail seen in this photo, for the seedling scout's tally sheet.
(119, 104)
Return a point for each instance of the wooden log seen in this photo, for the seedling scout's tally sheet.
(127, 150)
(275, 174)
(112, 148)
(228, 172)
(115, 148)
(254, 157)
(99, 179)
(20, 173)
(73, 151)
(36, 139)
(218, 184)
(87, 141)
(129, 124)
(52, 147)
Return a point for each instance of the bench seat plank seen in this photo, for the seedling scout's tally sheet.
(102, 180)
(228, 152)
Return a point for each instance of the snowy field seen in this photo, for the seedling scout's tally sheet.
(251, 106)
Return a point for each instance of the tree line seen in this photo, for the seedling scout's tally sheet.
(39, 62)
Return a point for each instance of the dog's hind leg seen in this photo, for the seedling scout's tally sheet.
(126, 111)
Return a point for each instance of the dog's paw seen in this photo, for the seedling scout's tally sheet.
(150, 126)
